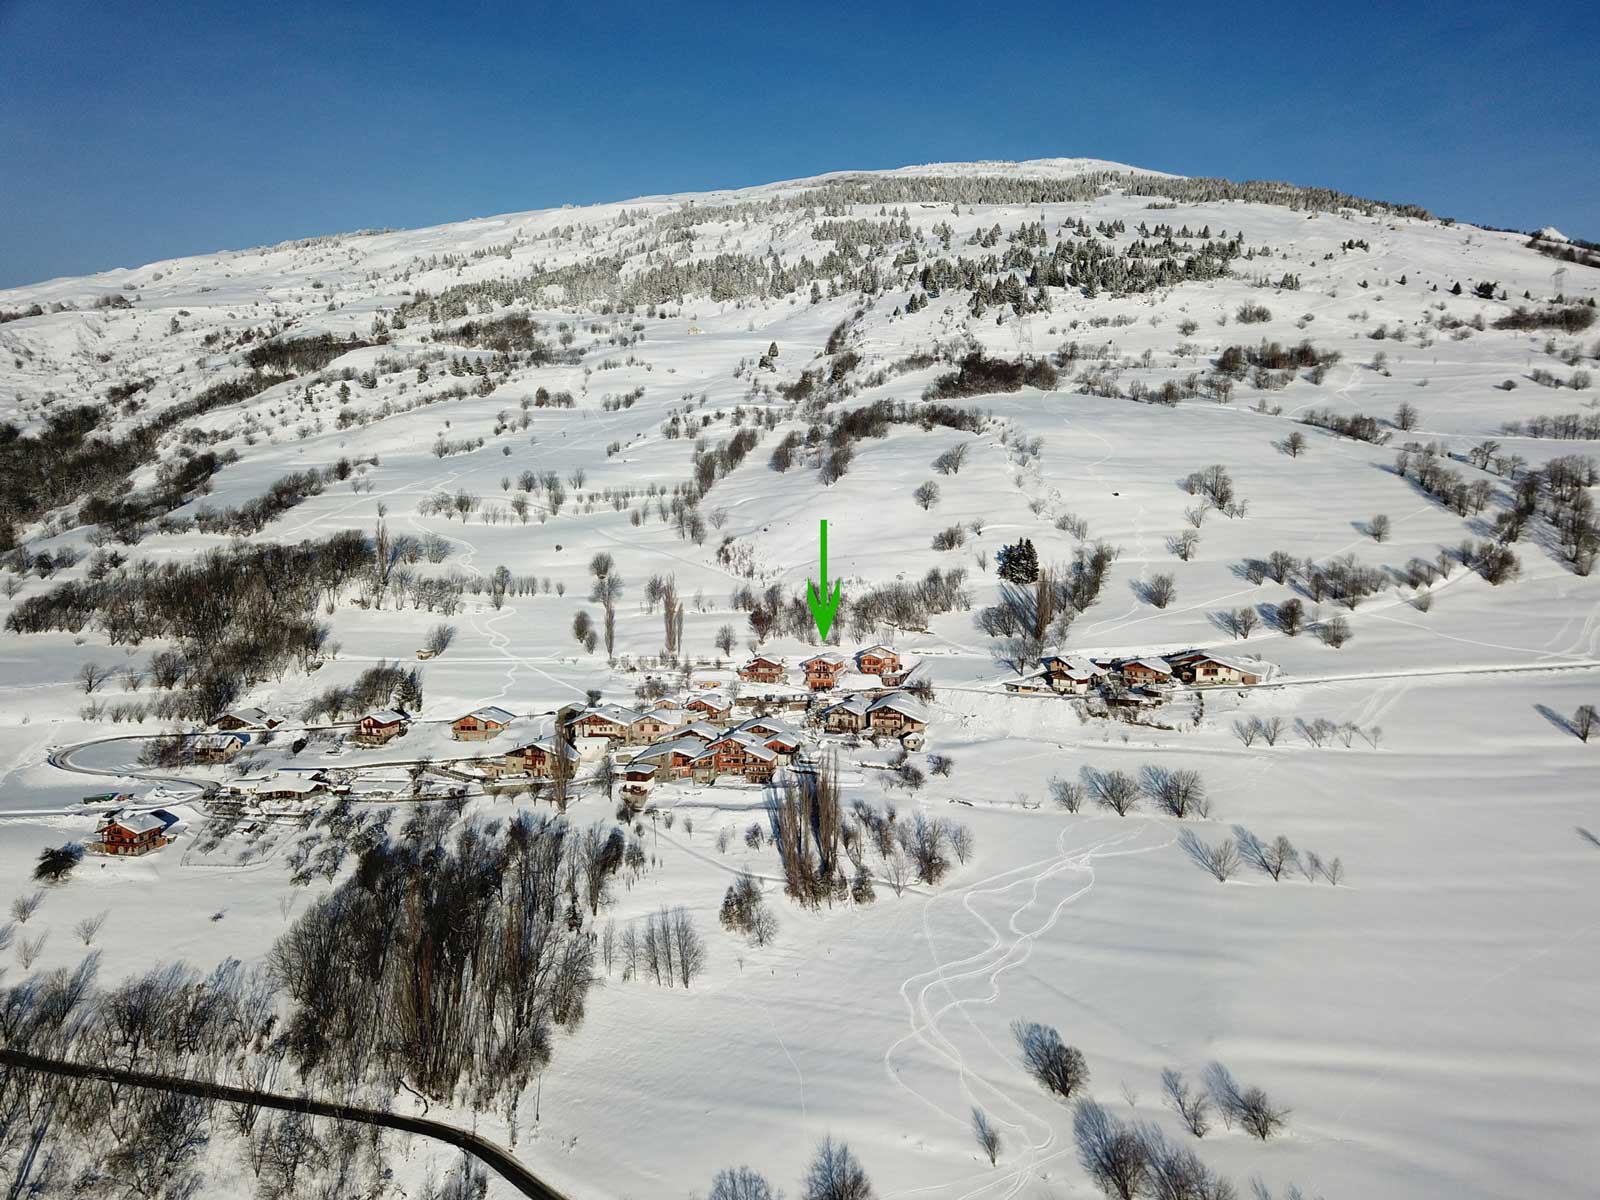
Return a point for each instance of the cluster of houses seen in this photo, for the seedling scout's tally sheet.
(1140, 680)
(724, 723)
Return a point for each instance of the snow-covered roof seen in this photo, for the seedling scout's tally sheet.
(1243, 665)
(900, 703)
(762, 658)
(688, 746)
(714, 700)
(299, 784)
(1159, 665)
(699, 729)
(547, 745)
(220, 741)
(831, 659)
(249, 716)
(138, 823)
(883, 651)
(385, 716)
(1074, 666)
(610, 712)
(769, 726)
(852, 704)
(492, 714)
(747, 745)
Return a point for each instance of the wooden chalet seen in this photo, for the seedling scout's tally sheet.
(896, 715)
(847, 716)
(130, 835)
(218, 747)
(1143, 672)
(713, 705)
(481, 724)
(877, 660)
(1073, 676)
(536, 758)
(245, 718)
(1200, 669)
(380, 727)
(762, 669)
(822, 671)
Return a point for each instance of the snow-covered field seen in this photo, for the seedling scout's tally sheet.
(1430, 1021)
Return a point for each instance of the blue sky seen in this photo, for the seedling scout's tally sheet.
(135, 132)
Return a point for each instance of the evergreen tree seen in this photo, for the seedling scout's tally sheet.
(1018, 563)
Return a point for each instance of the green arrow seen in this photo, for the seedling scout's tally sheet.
(821, 604)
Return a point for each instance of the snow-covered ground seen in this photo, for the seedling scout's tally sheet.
(1430, 1021)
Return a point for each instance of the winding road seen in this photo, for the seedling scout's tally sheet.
(490, 1155)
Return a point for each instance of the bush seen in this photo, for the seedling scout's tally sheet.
(1253, 314)
(1058, 1067)
(979, 374)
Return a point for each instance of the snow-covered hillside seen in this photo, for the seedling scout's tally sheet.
(1399, 542)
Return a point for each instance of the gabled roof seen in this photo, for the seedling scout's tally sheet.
(746, 745)
(491, 714)
(609, 712)
(1159, 665)
(219, 741)
(700, 729)
(881, 650)
(667, 716)
(299, 783)
(1074, 666)
(716, 699)
(386, 716)
(250, 716)
(854, 704)
(546, 745)
(900, 703)
(768, 725)
(762, 658)
(688, 747)
(137, 823)
(1242, 665)
(828, 657)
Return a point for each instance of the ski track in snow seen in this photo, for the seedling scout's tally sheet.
(1002, 954)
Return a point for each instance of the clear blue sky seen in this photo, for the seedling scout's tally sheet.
(131, 132)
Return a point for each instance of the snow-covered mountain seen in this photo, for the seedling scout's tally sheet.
(1338, 441)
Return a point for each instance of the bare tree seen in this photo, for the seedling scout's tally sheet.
(1190, 1105)
(1175, 1172)
(836, 1174)
(439, 639)
(1178, 790)
(23, 907)
(988, 1136)
(1058, 1067)
(1245, 621)
(92, 676)
(1111, 1152)
(926, 495)
(741, 1183)
(1116, 790)
(1067, 793)
(1378, 528)
(1160, 590)
(89, 928)
(1220, 861)
(689, 947)
(1272, 729)
(1250, 1107)
(1247, 730)
(1584, 721)
(725, 639)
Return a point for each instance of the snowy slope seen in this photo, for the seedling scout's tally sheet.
(1427, 1021)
